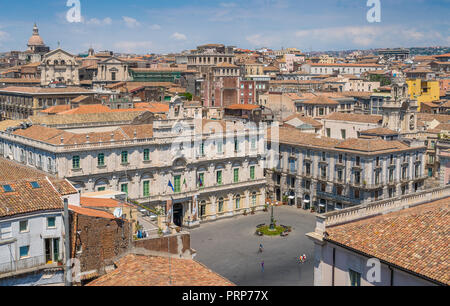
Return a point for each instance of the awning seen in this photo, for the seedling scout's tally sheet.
(291, 197)
(306, 201)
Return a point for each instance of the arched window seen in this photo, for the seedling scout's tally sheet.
(220, 204)
(202, 208)
(254, 199)
(238, 201)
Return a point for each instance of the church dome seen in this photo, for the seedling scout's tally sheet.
(35, 40)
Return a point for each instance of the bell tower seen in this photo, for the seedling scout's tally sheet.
(399, 113)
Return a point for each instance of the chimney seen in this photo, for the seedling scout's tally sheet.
(112, 136)
(135, 134)
(87, 138)
(62, 140)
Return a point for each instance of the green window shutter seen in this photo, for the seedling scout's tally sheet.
(252, 172)
(76, 162)
(146, 155)
(177, 183)
(219, 177)
(124, 188)
(124, 157)
(146, 188)
(101, 159)
(236, 175)
(201, 177)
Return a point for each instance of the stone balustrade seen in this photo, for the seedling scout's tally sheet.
(379, 207)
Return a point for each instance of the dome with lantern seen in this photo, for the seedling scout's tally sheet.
(35, 40)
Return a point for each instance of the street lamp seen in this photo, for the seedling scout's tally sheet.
(272, 221)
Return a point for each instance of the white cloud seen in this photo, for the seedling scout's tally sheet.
(178, 36)
(95, 21)
(3, 36)
(155, 27)
(131, 22)
(133, 46)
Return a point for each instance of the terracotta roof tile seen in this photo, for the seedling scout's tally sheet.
(25, 199)
(415, 239)
(137, 270)
(375, 119)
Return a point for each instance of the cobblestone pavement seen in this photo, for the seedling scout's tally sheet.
(230, 248)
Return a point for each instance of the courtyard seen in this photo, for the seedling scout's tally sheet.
(230, 248)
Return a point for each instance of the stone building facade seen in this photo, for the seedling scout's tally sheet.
(217, 174)
(331, 174)
(61, 67)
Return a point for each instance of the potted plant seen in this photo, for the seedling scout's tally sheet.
(266, 208)
(285, 200)
(160, 232)
(245, 212)
(253, 211)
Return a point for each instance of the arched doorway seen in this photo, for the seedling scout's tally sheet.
(178, 214)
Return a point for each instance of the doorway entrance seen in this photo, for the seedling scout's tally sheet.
(52, 250)
(178, 214)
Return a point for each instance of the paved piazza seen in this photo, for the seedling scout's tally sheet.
(230, 248)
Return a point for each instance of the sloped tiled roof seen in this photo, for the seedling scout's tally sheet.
(415, 239)
(85, 118)
(138, 270)
(57, 137)
(91, 212)
(25, 199)
(293, 136)
(375, 119)
(380, 131)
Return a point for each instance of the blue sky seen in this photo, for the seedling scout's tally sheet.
(144, 26)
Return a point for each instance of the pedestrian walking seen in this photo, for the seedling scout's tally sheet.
(262, 266)
(261, 248)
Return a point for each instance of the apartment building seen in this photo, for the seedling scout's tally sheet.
(329, 174)
(22, 102)
(31, 225)
(205, 175)
(329, 69)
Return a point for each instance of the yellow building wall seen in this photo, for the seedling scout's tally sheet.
(423, 91)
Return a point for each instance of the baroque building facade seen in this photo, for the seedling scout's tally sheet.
(59, 66)
(213, 171)
(330, 174)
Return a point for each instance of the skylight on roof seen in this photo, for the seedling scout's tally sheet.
(35, 185)
(7, 188)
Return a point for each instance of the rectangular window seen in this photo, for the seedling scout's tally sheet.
(236, 145)
(124, 188)
(101, 159)
(24, 251)
(219, 177)
(236, 175)
(253, 144)
(343, 134)
(101, 189)
(201, 180)
(146, 154)
(355, 278)
(5, 230)
(23, 226)
(328, 132)
(177, 183)
(219, 147)
(146, 188)
(76, 162)
(124, 158)
(252, 172)
(51, 222)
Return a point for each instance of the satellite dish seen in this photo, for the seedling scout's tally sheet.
(118, 212)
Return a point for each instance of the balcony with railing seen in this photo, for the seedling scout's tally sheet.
(27, 264)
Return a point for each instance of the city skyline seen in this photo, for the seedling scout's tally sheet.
(154, 27)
